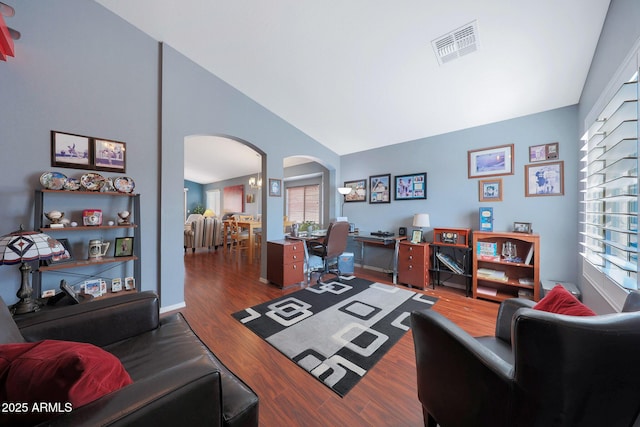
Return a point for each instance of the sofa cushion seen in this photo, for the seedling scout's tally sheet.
(50, 371)
(560, 301)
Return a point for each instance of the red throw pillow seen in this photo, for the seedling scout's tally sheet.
(47, 378)
(560, 301)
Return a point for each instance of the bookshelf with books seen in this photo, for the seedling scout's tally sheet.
(505, 265)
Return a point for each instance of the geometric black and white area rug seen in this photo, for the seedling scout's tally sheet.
(336, 331)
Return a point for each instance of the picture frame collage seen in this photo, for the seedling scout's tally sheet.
(379, 188)
(85, 152)
(542, 177)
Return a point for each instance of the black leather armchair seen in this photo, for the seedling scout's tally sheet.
(176, 378)
(540, 369)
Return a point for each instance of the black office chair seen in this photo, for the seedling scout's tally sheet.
(540, 369)
(333, 245)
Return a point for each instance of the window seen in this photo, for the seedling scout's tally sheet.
(609, 211)
(303, 203)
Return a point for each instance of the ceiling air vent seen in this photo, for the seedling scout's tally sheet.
(457, 43)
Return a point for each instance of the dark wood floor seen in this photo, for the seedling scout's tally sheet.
(216, 286)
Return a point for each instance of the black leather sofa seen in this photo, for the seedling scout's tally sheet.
(177, 380)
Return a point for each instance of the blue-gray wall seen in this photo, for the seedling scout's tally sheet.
(78, 69)
(452, 198)
(195, 195)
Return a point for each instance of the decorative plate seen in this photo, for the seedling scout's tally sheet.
(124, 184)
(53, 180)
(72, 184)
(92, 181)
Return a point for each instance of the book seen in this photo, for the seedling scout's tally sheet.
(487, 291)
(492, 274)
(486, 219)
(529, 257)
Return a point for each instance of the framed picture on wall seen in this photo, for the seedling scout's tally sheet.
(70, 151)
(411, 187)
(380, 191)
(546, 179)
(490, 190)
(275, 187)
(544, 152)
(492, 161)
(358, 191)
(110, 156)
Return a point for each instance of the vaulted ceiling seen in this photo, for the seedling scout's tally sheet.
(360, 74)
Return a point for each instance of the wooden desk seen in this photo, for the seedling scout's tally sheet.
(250, 226)
(382, 241)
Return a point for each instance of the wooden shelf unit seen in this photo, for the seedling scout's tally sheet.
(111, 202)
(496, 289)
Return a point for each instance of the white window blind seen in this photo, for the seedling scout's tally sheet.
(303, 203)
(609, 181)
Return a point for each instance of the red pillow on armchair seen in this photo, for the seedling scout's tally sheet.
(47, 372)
(560, 301)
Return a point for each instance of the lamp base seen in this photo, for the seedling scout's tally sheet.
(24, 306)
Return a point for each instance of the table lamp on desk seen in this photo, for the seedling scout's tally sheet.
(421, 220)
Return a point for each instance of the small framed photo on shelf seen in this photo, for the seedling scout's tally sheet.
(490, 190)
(546, 179)
(275, 187)
(110, 156)
(70, 151)
(416, 236)
(93, 287)
(522, 227)
(380, 191)
(358, 191)
(492, 161)
(124, 246)
(116, 284)
(129, 283)
(411, 187)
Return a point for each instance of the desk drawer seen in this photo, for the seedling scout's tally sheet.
(292, 253)
(413, 264)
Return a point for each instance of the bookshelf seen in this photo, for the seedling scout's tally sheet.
(497, 277)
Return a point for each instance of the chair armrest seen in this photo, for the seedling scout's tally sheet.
(460, 382)
(506, 311)
(189, 394)
(100, 322)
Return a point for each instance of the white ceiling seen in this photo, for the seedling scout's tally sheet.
(360, 74)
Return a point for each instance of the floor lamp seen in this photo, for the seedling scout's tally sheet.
(344, 191)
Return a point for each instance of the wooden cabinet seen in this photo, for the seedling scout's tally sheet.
(285, 262)
(498, 275)
(413, 264)
(80, 267)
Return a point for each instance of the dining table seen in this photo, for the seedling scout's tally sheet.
(249, 226)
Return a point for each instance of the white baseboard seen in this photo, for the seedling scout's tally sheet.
(173, 307)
